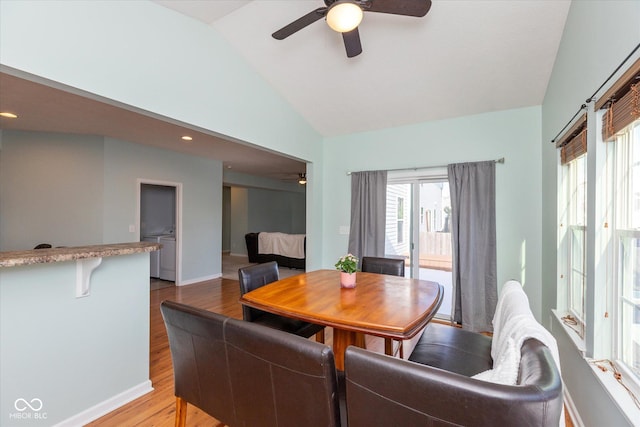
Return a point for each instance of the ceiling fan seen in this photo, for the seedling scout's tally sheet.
(344, 16)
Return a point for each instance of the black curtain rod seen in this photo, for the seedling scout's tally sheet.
(583, 106)
(612, 74)
(500, 160)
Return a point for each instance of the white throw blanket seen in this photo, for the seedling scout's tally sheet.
(513, 324)
(289, 245)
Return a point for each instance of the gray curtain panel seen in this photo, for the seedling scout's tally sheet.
(368, 213)
(473, 221)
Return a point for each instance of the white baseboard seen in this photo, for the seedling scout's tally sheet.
(107, 406)
(235, 254)
(571, 408)
(199, 279)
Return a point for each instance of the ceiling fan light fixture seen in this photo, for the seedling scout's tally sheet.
(303, 179)
(344, 16)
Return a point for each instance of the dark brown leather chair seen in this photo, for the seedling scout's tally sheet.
(422, 395)
(280, 379)
(255, 276)
(200, 363)
(244, 374)
(390, 266)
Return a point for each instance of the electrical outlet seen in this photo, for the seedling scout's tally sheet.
(132, 228)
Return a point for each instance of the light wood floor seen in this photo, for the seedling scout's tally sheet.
(158, 407)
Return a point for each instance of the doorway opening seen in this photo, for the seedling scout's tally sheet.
(160, 221)
(418, 228)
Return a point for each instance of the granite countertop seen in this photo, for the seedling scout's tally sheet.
(41, 256)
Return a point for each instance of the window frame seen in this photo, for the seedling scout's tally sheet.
(623, 228)
(601, 327)
(574, 223)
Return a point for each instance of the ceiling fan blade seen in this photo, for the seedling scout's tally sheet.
(352, 43)
(300, 23)
(417, 8)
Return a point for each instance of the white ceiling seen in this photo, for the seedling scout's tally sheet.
(464, 57)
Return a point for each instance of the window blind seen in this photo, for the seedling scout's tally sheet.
(622, 102)
(573, 143)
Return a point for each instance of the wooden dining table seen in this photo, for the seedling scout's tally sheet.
(381, 305)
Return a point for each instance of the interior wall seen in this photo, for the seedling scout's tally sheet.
(598, 35)
(257, 209)
(75, 190)
(240, 222)
(512, 134)
(51, 188)
(260, 204)
(231, 99)
(73, 353)
(276, 211)
(226, 219)
(201, 179)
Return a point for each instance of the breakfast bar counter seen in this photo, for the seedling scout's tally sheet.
(74, 323)
(39, 256)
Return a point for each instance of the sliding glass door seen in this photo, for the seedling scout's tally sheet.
(418, 229)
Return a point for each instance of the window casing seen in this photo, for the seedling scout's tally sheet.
(626, 202)
(576, 239)
(609, 135)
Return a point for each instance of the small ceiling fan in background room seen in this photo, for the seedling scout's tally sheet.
(344, 16)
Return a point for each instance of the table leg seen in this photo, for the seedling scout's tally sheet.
(343, 339)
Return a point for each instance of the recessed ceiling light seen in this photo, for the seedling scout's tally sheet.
(8, 115)
(187, 138)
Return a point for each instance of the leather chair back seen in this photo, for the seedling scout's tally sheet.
(280, 379)
(391, 266)
(200, 368)
(245, 374)
(423, 395)
(253, 277)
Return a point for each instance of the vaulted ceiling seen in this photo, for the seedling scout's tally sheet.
(464, 57)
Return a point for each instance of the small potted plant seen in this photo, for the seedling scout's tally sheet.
(347, 265)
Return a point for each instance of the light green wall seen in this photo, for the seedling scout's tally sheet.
(259, 209)
(73, 190)
(135, 52)
(276, 211)
(240, 221)
(261, 204)
(116, 49)
(43, 199)
(513, 134)
(597, 37)
(201, 181)
(72, 353)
